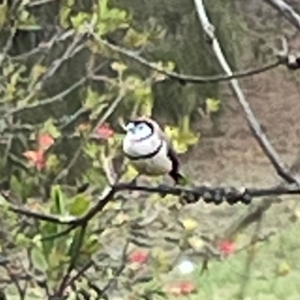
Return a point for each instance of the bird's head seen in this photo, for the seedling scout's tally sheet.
(140, 129)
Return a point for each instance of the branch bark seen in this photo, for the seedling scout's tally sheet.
(184, 78)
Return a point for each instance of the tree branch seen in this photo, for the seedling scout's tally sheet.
(287, 11)
(59, 97)
(216, 195)
(254, 125)
(182, 78)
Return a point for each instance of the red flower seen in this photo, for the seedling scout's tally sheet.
(45, 141)
(181, 288)
(226, 247)
(104, 132)
(36, 158)
(138, 256)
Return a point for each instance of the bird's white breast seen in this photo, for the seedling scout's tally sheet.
(159, 164)
(140, 148)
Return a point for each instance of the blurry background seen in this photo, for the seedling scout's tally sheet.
(59, 85)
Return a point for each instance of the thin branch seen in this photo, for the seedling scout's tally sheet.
(117, 272)
(8, 44)
(70, 52)
(251, 251)
(254, 125)
(74, 249)
(188, 78)
(15, 280)
(80, 273)
(51, 100)
(38, 3)
(111, 108)
(44, 47)
(102, 292)
(287, 11)
(66, 170)
(254, 213)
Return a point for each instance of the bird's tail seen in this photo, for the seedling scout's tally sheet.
(179, 178)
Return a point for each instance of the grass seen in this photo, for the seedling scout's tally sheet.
(274, 271)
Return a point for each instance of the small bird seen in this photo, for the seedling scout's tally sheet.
(149, 150)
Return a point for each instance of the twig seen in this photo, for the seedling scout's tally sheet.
(51, 100)
(71, 51)
(80, 273)
(250, 259)
(38, 3)
(254, 125)
(15, 280)
(183, 78)
(74, 250)
(101, 292)
(287, 11)
(66, 170)
(8, 44)
(111, 108)
(254, 213)
(119, 270)
(82, 111)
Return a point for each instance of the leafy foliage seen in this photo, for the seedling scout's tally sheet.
(62, 96)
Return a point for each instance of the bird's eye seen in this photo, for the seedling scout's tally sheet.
(143, 130)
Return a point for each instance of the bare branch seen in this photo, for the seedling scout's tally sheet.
(51, 100)
(188, 78)
(287, 11)
(74, 249)
(254, 125)
(38, 3)
(254, 213)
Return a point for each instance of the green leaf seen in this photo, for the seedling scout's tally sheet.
(103, 8)
(52, 162)
(51, 129)
(16, 185)
(189, 138)
(91, 150)
(27, 21)
(59, 205)
(4, 204)
(3, 13)
(77, 242)
(38, 260)
(212, 105)
(37, 71)
(135, 39)
(79, 20)
(118, 66)
(92, 244)
(64, 13)
(179, 147)
(80, 205)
